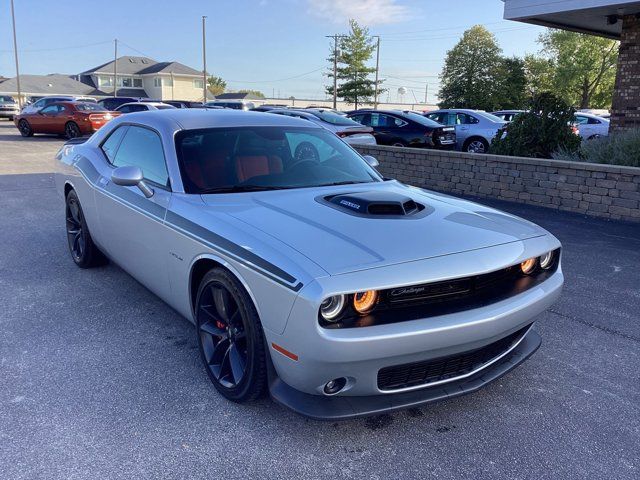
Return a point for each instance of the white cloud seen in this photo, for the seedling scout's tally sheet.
(366, 12)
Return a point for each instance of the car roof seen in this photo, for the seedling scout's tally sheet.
(195, 118)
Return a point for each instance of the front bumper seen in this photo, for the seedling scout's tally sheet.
(8, 113)
(346, 407)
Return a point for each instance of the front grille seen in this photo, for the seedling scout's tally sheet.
(446, 368)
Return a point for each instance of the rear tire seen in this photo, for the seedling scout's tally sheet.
(25, 128)
(476, 145)
(230, 337)
(72, 130)
(84, 252)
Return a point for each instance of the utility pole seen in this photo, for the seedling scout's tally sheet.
(426, 94)
(375, 103)
(15, 53)
(115, 68)
(204, 61)
(335, 67)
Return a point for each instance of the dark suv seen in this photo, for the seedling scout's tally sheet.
(406, 129)
(112, 103)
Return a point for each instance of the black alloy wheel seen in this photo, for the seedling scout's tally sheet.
(71, 130)
(230, 337)
(83, 251)
(25, 128)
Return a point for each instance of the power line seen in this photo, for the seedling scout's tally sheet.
(436, 37)
(279, 79)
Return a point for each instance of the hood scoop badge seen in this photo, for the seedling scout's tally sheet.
(374, 204)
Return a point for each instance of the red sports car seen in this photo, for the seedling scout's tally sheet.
(71, 119)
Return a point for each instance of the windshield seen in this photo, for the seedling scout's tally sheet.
(334, 118)
(6, 98)
(220, 160)
(421, 119)
(90, 107)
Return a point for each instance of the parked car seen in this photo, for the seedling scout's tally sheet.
(143, 107)
(350, 131)
(508, 115)
(305, 272)
(475, 129)
(45, 101)
(233, 104)
(267, 107)
(406, 129)
(8, 107)
(591, 126)
(184, 103)
(111, 103)
(71, 119)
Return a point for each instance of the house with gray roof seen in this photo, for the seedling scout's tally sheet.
(146, 77)
(42, 85)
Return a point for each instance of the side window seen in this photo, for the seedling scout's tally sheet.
(110, 147)
(357, 118)
(124, 108)
(142, 148)
(398, 122)
(593, 121)
(464, 119)
(50, 110)
(380, 120)
(581, 120)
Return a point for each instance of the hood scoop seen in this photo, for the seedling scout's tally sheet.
(375, 204)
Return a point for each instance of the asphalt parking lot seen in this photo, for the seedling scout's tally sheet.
(100, 379)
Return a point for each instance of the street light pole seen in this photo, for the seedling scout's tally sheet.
(115, 68)
(375, 103)
(15, 53)
(204, 61)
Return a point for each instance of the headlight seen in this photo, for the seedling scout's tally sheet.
(546, 260)
(332, 307)
(528, 266)
(363, 302)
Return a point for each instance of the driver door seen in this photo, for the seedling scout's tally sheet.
(131, 225)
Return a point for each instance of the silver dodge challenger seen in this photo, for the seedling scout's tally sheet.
(307, 273)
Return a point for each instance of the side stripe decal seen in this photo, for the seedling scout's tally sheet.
(187, 227)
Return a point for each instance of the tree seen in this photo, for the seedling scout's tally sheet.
(471, 73)
(584, 67)
(355, 50)
(255, 93)
(512, 93)
(540, 132)
(216, 85)
(539, 72)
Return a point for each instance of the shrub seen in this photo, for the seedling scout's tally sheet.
(619, 148)
(543, 130)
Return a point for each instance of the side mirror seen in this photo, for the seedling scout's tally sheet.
(131, 177)
(372, 161)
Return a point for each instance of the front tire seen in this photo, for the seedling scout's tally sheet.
(25, 128)
(84, 252)
(230, 337)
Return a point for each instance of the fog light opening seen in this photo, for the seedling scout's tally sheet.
(335, 386)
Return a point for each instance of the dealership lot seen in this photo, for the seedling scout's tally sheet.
(100, 379)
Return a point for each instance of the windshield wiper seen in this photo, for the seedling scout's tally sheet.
(241, 188)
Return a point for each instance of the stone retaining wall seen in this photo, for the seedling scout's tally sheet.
(606, 191)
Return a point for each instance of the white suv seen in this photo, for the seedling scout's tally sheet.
(46, 101)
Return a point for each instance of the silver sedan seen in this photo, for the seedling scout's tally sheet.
(475, 129)
(306, 273)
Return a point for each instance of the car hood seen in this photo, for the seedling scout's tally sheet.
(339, 241)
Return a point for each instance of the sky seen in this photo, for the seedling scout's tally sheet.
(276, 46)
